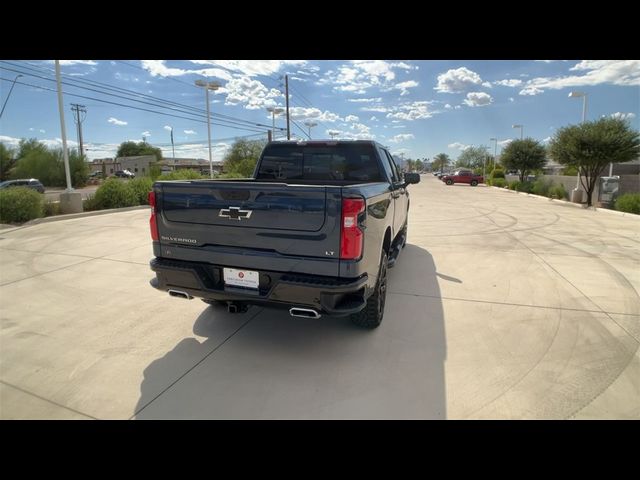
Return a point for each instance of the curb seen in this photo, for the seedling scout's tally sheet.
(8, 228)
(70, 216)
(571, 204)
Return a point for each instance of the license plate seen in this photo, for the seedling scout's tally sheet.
(241, 278)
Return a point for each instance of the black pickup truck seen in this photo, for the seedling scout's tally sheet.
(313, 231)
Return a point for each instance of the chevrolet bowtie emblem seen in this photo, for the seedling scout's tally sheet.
(235, 213)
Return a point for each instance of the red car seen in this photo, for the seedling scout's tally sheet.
(463, 176)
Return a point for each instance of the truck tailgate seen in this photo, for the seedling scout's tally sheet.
(292, 220)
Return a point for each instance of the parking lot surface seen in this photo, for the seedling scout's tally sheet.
(501, 306)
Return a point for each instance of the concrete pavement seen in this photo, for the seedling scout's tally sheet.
(501, 306)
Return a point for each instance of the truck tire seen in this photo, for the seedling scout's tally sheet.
(370, 316)
(449, 182)
(474, 183)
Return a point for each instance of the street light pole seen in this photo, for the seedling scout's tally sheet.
(10, 90)
(310, 125)
(63, 129)
(274, 111)
(521, 127)
(577, 190)
(208, 86)
(495, 151)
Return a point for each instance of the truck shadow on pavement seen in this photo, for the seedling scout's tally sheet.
(264, 364)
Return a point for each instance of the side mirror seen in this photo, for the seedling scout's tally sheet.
(411, 178)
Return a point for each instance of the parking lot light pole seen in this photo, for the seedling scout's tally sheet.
(576, 195)
(274, 111)
(208, 86)
(521, 127)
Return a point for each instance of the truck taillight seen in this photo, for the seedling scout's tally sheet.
(351, 236)
(153, 224)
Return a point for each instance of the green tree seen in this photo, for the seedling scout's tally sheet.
(7, 161)
(473, 157)
(133, 149)
(410, 165)
(591, 146)
(419, 165)
(36, 160)
(242, 156)
(524, 155)
(440, 161)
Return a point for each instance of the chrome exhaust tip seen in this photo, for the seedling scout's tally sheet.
(303, 312)
(180, 294)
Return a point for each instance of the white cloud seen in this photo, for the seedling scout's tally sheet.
(359, 131)
(252, 94)
(504, 143)
(301, 113)
(457, 107)
(300, 79)
(598, 72)
(510, 82)
(159, 68)
(167, 128)
(530, 90)
(401, 137)
(251, 68)
(373, 119)
(11, 141)
(546, 140)
(189, 132)
(458, 146)
(376, 109)
(146, 133)
(447, 106)
(360, 75)
(399, 126)
(457, 80)
(115, 121)
(41, 130)
(351, 118)
(65, 63)
(623, 116)
(31, 129)
(411, 111)
(364, 100)
(404, 86)
(478, 99)
(511, 99)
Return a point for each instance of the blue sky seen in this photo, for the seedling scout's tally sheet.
(419, 108)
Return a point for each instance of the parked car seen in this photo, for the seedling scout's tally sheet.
(32, 183)
(124, 174)
(314, 232)
(463, 176)
(96, 174)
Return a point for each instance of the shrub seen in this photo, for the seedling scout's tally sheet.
(514, 185)
(20, 204)
(51, 209)
(558, 191)
(181, 175)
(114, 194)
(496, 173)
(499, 182)
(541, 187)
(526, 187)
(90, 204)
(141, 188)
(629, 202)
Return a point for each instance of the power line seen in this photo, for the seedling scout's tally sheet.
(247, 128)
(154, 100)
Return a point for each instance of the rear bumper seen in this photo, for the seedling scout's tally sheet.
(328, 295)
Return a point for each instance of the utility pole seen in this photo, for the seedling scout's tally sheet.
(286, 88)
(77, 110)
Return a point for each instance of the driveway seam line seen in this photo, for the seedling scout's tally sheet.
(194, 366)
(49, 401)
